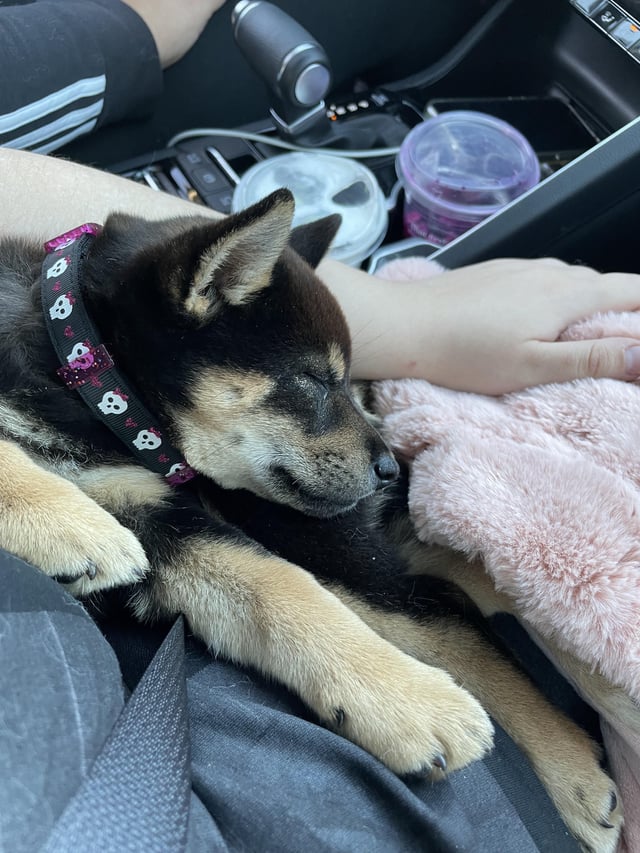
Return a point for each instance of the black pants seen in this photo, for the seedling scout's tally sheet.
(260, 774)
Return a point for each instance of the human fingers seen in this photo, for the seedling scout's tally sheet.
(573, 290)
(562, 361)
(581, 291)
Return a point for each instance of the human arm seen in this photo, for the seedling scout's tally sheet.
(490, 327)
(487, 328)
(43, 196)
(174, 24)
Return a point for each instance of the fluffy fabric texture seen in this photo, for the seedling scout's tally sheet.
(544, 487)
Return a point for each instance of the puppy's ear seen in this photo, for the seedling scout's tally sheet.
(239, 262)
(312, 241)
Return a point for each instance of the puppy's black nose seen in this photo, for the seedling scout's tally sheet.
(386, 469)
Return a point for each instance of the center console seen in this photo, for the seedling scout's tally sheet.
(565, 73)
(619, 21)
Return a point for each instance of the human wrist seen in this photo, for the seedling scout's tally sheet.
(391, 322)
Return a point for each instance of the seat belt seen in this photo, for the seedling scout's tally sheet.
(136, 796)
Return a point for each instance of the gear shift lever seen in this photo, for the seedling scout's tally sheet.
(291, 62)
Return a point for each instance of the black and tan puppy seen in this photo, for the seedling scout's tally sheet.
(274, 552)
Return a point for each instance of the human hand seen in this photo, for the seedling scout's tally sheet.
(174, 24)
(495, 326)
(489, 328)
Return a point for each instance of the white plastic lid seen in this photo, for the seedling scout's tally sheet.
(322, 184)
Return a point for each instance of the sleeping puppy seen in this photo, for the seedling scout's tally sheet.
(177, 418)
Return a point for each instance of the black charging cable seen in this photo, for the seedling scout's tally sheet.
(453, 57)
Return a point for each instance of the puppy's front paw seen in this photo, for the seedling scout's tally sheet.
(588, 801)
(68, 536)
(416, 720)
(113, 558)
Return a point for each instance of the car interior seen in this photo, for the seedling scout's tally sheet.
(353, 78)
(564, 74)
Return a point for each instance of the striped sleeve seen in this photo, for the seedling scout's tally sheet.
(69, 66)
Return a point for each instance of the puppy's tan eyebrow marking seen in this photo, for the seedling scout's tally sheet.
(336, 362)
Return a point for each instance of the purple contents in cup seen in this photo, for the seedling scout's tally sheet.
(457, 169)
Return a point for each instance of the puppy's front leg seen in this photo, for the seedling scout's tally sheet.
(477, 584)
(563, 756)
(50, 523)
(265, 612)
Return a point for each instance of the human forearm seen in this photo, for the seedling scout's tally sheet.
(44, 196)
(388, 322)
(174, 24)
(488, 328)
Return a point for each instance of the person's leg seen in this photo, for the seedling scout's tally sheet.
(76, 769)
(60, 695)
(276, 781)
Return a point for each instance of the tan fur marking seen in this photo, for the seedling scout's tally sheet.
(470, 576)
(264, 612)
(226, 433)
(336, 362)
(232, 437)
(198, 304)
(123, 487)
(223, 395)
(28, 430)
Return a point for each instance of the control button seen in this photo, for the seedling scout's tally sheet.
(220, 201)
(626, 32)
(587, 6)
(192, 158)
(381, 100)
(608, 16)
(208, 180)
(312, 84)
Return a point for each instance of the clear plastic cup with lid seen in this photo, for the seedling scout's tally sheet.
(323, 184)
(457, 169)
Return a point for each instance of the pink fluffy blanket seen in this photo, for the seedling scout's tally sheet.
(544, 486)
